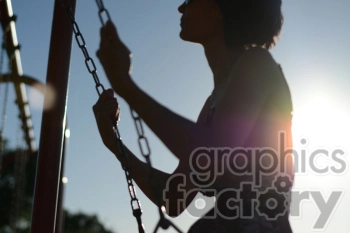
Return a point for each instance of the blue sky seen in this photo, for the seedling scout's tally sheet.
(313, 52)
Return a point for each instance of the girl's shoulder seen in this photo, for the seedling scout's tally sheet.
(256, 58)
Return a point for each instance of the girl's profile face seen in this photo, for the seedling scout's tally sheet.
(201, 21)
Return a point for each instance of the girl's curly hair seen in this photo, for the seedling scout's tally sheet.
(251, 22)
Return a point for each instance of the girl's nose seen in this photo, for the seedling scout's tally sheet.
(182, 8)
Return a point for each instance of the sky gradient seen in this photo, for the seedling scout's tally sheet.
(312, 51)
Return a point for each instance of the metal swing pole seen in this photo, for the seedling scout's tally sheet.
(53, 125)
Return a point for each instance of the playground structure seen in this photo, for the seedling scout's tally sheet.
(47, 207)
(7, 19)
(46, 215)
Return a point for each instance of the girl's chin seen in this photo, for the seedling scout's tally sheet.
(186, 37)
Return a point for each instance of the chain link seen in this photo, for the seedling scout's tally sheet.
(102, 10)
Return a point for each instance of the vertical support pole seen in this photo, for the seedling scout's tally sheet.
(53, 124)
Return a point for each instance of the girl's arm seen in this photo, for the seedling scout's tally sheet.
(105, 110)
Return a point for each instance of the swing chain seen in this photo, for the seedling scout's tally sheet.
(91, 67)
(135, 203)
(145, 151)
(89, 62)
(153, 182)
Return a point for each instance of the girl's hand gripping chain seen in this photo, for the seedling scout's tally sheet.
(115, 59)
(107, 112)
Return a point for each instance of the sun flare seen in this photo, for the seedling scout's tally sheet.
(322, 121)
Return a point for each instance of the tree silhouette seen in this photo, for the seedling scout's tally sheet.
(82, 223)
(16, 197)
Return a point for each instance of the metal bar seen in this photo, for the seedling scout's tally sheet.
(27, 80)
(12, 48)
(60, 210)
(53, 124)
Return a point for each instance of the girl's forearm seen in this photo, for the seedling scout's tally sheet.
(180, 135)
